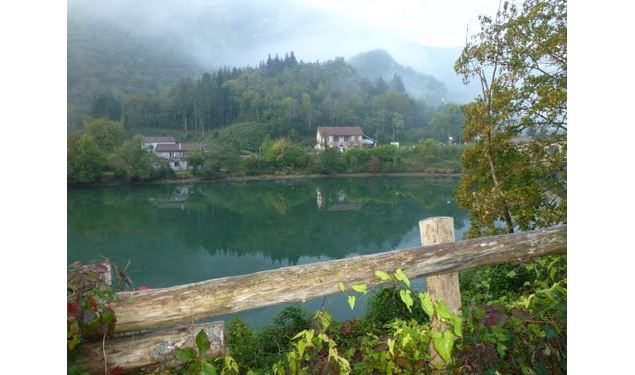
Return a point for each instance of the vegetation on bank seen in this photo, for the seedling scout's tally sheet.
(104, 153)
(282, 156)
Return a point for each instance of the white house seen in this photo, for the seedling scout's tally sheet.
(342, 137)
(177, 153)
(150, 143)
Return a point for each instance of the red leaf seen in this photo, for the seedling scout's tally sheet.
(115, 371)
(93, 304)
(73, 309)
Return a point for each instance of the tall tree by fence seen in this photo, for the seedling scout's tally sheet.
(520, 60)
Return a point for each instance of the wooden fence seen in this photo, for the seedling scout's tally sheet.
(439, 260)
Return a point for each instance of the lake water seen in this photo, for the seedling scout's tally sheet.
(176, 234)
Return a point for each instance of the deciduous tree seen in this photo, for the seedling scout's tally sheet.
(520, 60)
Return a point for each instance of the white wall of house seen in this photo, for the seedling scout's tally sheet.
(340, 142)
(178, 165)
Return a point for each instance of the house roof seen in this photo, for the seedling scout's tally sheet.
(340, 130)
(179, 147)
(159, 139)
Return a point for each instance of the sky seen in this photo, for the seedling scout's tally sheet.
(433, 23)
(241, 32)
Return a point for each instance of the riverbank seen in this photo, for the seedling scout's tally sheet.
(272, 177)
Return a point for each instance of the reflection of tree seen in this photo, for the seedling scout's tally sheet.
(279, 219)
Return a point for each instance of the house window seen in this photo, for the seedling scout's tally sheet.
(341, 138)
(176, 164)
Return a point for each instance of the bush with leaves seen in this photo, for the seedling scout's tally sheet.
(262, 349)
(85, 161)
(131, 163)
(328, 161)
(283, 153)
(197, 362)
(525, 336)
(88, 315)
(384, 306)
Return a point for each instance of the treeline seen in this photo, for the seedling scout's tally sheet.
(292, 98)
(104, 152)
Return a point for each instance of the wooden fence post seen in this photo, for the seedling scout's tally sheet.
(443, 287)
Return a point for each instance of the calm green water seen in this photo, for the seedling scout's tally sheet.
(175, 234)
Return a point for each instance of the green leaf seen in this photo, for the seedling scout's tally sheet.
(351, 302)
(391, 346)
(405, 340)
(185, 354)
(301, 333)
(360, 288)
(511, 274)
(426, 303)
(457, 325)
(444, 313)
(406, 298)
(309, 335)
(383, 276)
(443, 345)
(202, 342)
(323, 318)
(301, 345)
(501, 348)
(399, 275)
(208, 369)
(341, 286)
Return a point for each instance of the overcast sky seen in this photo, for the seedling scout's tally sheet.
(434, 23)
(243, 32)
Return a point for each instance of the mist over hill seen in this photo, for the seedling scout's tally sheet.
(130, 48)
(379, 64)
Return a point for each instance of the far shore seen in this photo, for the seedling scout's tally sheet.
(272, 177)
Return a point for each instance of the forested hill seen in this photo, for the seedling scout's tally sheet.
(291, 98)
(102, 59)
(380, 64)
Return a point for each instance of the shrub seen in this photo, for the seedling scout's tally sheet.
(85, 161)
(254, 165)
(107, 133)
(130, 162)
(262, 349)
(374, 164)
(385, 305)
(283, 153)
(328, 161)
(357, 159)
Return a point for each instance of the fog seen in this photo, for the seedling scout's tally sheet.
(425, 35)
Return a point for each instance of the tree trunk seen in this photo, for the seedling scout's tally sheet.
(492, 166)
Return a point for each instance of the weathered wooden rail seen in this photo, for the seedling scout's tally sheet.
(184, 304)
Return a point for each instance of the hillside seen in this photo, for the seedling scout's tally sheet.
(380, 64)
(103, 59)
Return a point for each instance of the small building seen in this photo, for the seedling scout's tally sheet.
(177, 153)
(342, 137)
(150, 143)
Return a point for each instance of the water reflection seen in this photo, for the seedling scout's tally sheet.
(187, 233)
